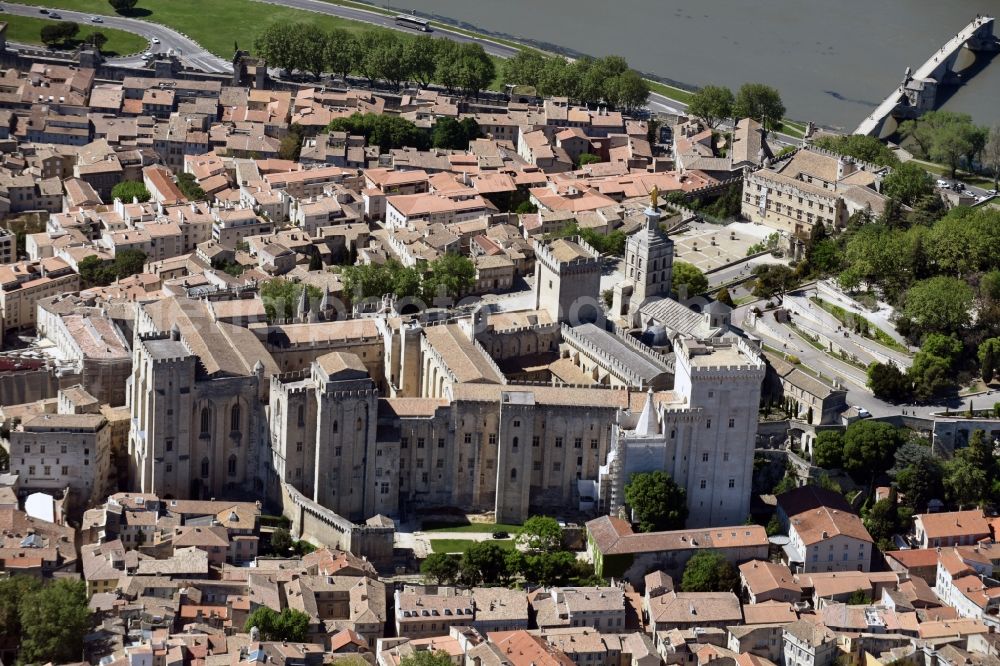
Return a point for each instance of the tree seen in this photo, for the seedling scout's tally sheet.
(526, 208)
(931, 376)
(869, 447)
(54, 619)
(722, 296)
(278, 45)
(426, 658)
(921, 482)
(947, 347)
(989, 359)
(888, 382)
(864, 148)
(291, 143)
(628, 91)
(828, 450)
(59, 33)
(689, 277)
(524, 69)
(710, 571)
(475, 69)
(859, 597)
(310, 48)
(907, 183)
(991, 155)
(712, 104)
(384, 130)
(448, 134)
(882, 521)
(939, 304)
(13, 591)
(656, 501)
(342, 53)
(420, 58)
(123, 6)
(385, 60)
(450, 275)
(97, 40)
(773, 280)
(549, 568)
(950, 145)
(967, 481)
(281, 540)
(288, 625)
(440, 567)
(589, 158)
(189, 186)
(281, 297)
(540, 533)
(760, 102)
(129, 191)
(484, 562)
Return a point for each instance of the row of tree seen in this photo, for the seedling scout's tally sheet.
(590, 81)
(715, 104)
(97, 272)
(389, 132)
(952, 139)
(541, 559)
(450, 276)
(377, 55)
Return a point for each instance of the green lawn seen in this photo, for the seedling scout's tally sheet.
(459, 545)
(27, 30)
(670, 92)
(436, 526)
(217, 25)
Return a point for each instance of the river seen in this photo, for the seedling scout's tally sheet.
(832, 60)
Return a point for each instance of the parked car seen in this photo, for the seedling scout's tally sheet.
(54, 15)
(501, 535)
(155, 40)
(862, 412)
(942, 183)
(43, 11)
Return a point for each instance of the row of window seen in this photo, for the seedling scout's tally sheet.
(62, 449)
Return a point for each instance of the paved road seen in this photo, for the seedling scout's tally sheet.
(188, 50)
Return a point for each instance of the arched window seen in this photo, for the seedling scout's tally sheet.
(336, 426)
(234, 418)
(360, 425)
(206, 418)
(232, 465)
(302, 415)
(204, 468)
(514, 443)
(513, 474)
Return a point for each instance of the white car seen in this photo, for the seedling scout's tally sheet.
(942, 183)
(155, 40)
(862, 412)
(96, 19)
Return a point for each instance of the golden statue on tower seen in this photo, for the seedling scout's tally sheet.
(654, 198)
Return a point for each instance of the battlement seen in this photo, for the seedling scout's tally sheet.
(164, 347)
(570, 261)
